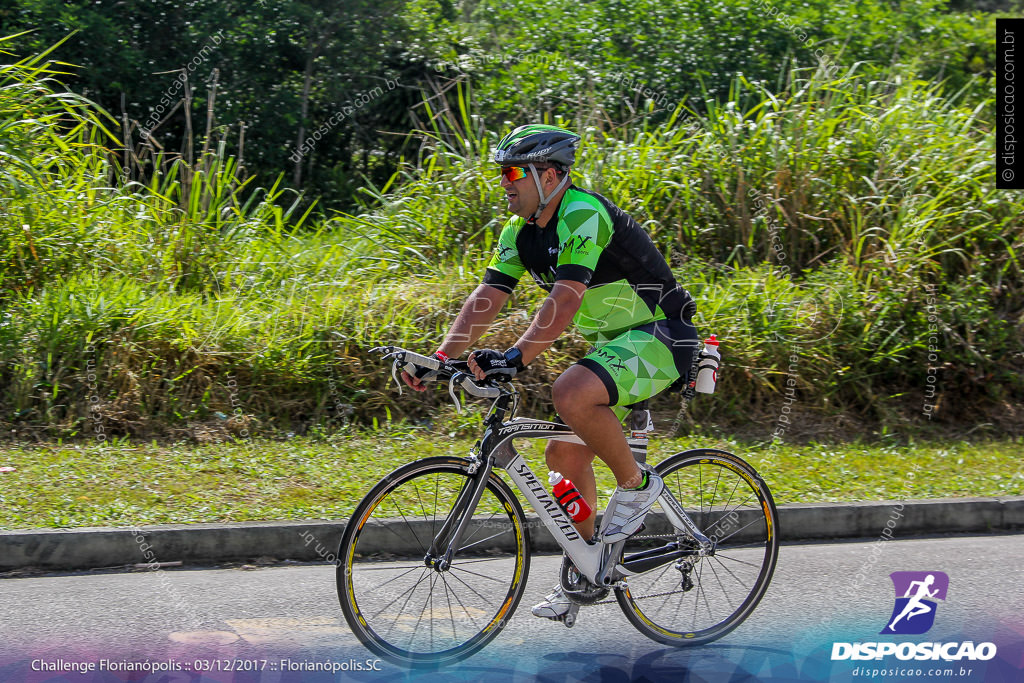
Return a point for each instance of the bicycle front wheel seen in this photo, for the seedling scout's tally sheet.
(409, 612)
(692, 599)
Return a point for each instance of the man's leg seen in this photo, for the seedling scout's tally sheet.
(581, 400)
(574, 461)
(630, 368)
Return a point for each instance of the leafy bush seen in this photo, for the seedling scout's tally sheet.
(286, 69)
(195, 295)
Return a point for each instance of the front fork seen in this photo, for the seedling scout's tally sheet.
(448, 539)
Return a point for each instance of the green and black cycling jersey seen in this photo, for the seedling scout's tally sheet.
(591, 240)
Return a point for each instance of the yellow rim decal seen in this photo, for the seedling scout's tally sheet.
(351, 555)
(498, 617)
(636, 610)
(351, 588)
(519, 543)
(768, 518)
(366, 517)
(735, 468)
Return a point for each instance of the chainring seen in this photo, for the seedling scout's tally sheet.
(577, 587)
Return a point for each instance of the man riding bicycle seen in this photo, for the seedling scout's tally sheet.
(602, 271)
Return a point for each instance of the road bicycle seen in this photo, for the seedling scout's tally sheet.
(434, 560)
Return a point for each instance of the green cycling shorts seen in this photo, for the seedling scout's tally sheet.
(643, 361)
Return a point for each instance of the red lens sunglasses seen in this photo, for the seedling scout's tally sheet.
(513, 173)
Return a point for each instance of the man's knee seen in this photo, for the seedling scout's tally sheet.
(562, 393)
(555, 454)
(558, 454)
(577, 389)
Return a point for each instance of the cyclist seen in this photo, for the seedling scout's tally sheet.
(603, 272)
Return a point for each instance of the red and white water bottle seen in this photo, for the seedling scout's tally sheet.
(569, 497)
(707, 368)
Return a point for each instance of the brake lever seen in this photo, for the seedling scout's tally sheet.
(394, 375)
(392, 352)
(451, 391)
(386, 350)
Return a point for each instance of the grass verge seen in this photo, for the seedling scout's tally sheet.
(303, 478)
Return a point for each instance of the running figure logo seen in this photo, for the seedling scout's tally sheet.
(916, 592)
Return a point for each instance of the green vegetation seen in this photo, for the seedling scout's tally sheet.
(70, 486)
(835, 218)
(813, 246)
(274, 72)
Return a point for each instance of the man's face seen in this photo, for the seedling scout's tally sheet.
(521, 194)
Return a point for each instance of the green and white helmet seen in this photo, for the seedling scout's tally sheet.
(539, 144)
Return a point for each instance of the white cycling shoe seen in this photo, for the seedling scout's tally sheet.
(557, 607)
(627, 509)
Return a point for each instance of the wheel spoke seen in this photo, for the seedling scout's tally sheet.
(731, 493)
(451, 614)
(395, 578)
(743, 546)
(412, 611)
(412, 531)
(717, 492)
(386, 569)
(703, 591)
(433, 519)
(753, 521)
(407, 599)
(718, 579)
(658, 578)
(726, 513)
(720, 556)
(477, 561)
(469, 615)
(419, 620)
(482, 576)
(727, 571)
(475, 591)
(483, 540)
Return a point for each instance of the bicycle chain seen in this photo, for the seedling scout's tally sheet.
(656, 595)
(664, 536)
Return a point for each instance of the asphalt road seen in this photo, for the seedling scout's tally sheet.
(235, 618)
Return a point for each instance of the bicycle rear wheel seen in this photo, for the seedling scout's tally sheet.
(689, 599)
(409, 612)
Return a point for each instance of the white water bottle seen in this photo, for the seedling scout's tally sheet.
(707, 369)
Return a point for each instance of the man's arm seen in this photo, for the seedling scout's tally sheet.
(478, 312)
(552, 319)
(476, 316)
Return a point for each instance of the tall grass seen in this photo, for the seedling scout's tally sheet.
(192, 294)
(885, 175)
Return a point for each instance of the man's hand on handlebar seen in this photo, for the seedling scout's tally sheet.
(416, 380)
(484, 364)
(488, 363)
(412, 382)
